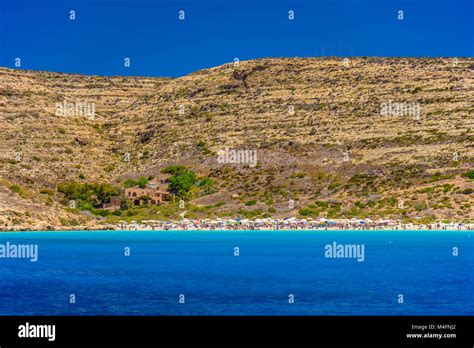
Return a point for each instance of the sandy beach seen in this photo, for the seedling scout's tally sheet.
(288, 224)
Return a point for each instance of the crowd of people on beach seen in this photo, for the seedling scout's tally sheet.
(288, 224)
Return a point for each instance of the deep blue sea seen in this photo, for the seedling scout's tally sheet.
(272, 268)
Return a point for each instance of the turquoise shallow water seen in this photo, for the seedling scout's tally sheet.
(272, 265)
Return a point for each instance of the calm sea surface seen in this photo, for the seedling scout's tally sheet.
(272, 266)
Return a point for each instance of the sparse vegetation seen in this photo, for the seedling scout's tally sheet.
(397, 168)
(19, 190)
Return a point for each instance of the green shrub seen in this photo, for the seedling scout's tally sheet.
(310, 210)
(249, 214)
(47, 191)
(469, 174)
(174, 170)
(129, 183)
(202, 146)
(205, 182)
(321, 204)
(109, 168)
(420, 206)
(19, 190)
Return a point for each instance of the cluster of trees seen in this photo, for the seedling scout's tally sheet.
(182, 180)
(87, 195)
(141, 182)
(185, 184)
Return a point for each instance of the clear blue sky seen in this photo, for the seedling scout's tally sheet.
(216, 31)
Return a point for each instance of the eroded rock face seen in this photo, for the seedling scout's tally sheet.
(324, 130)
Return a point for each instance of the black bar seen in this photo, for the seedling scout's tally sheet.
(241, 330)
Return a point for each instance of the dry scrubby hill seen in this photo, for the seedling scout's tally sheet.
(299, 114)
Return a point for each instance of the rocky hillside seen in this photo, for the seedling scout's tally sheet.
(366, 137)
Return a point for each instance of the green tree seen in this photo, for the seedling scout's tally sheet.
(142, 182)
(182, 183)
(105, 191)
(125, 203)
(174, 170)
